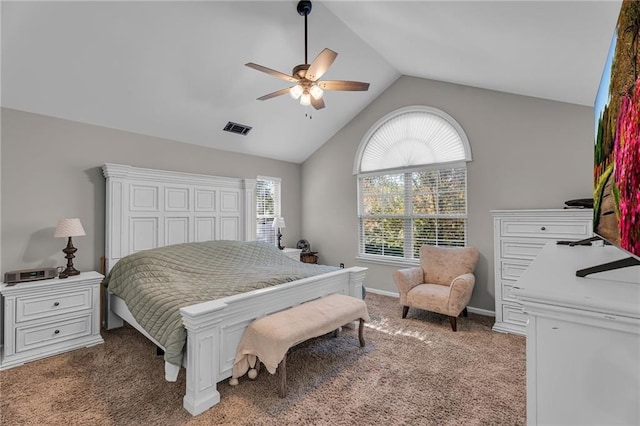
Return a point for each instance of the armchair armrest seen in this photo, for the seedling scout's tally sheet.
(460, 293)
(407, 278)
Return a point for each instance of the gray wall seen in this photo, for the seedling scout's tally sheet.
(51, 169)
(527, 153)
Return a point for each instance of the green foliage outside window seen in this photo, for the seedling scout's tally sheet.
(401, 212)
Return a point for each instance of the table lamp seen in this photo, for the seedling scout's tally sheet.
(278, 223)
(69, 228)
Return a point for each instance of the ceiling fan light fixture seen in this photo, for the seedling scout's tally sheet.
(316, 92)
(296, 91)
(308, 87)
(305, 98)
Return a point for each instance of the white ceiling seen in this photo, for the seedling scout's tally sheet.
(176, 69)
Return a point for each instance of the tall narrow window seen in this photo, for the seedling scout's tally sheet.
(412, 184)
(268, 207)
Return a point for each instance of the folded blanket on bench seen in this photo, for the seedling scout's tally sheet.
(269, 338)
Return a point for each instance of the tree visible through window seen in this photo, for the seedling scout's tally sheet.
(409, 196)
(267, 208)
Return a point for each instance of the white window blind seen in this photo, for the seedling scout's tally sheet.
(413, 138)
(267, 208)
(412, 185)
(402, 211)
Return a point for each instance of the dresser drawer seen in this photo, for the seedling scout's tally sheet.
(521, 249)
(507, 288)
(512, 269)
(514, 315)
(46, 305)
(551, 229)
(36, 336)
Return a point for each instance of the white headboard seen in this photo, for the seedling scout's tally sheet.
(147, 208)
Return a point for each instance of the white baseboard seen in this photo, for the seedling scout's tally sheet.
(383, 292)
(478, 311)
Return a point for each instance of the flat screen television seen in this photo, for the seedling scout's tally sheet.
(616, 169)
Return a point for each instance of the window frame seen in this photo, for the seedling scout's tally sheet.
(277, 205)
(408, 216)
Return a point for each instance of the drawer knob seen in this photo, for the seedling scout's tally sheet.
(56, 332)
(543, 229)
(56, 304)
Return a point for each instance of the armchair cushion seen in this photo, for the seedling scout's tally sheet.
(432, 297)
(441, 265)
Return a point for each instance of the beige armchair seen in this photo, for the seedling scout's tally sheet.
(443, 282)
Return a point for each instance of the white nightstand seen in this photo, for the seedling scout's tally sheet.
(48, 317)
(292, 253)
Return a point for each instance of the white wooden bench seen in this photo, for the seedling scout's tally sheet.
(268, 339)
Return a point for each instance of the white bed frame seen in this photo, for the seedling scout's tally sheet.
(148, 208)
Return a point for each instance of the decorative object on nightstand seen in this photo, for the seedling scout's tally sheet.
(303, 245)
(69, 228)
(278, 223)
(309, 257)
(306, 255)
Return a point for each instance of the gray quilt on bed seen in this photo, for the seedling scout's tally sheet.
(156, 283)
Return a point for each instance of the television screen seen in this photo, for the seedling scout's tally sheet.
(617, 137)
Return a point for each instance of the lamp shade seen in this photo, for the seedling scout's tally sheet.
(296, 91)
(305, 98)
(278, 222)
(69, 228)
(316, 92)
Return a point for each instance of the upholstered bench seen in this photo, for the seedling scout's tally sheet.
(268, 339)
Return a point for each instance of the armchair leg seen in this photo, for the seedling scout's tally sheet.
(465, 313)
(405, 310)
(452, 320)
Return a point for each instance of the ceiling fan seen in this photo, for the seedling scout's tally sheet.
(308, 87)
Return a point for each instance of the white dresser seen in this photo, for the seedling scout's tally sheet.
(44, 318)
(519, 235)
(583, 338)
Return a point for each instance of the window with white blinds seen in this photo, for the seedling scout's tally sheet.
(412, 185)
(267, 208)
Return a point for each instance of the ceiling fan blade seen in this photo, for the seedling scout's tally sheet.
(321, 64)
(272, 72)
(350, 86)
(317, 103)
(274, 94)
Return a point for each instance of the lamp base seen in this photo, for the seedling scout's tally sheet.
(69, 272)
(69, 251)
(280, 246)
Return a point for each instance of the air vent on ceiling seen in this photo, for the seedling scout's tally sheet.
(240, 129)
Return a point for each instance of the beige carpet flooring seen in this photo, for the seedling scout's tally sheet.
(414, 371)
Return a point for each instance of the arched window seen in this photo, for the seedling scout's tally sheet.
(412, 184)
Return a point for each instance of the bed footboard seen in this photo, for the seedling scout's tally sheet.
(215, 328)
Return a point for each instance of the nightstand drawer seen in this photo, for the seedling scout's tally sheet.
(41, 306)
(36, 336)
(546, 229)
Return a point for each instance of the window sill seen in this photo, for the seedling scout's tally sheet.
(386, 260)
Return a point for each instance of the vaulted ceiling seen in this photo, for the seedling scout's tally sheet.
(176, 70)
